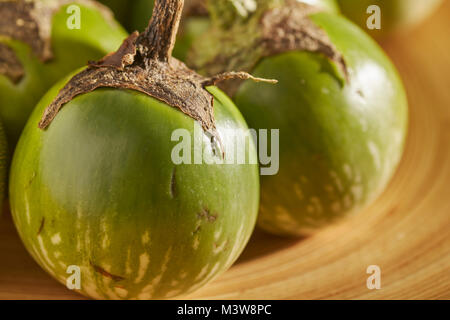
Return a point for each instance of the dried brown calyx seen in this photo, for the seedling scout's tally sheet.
(144, 63)
(281, 26)
(10, 66)
(30, 22)
(20, 21)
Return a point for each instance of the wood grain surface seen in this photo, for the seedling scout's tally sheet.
(406, 232)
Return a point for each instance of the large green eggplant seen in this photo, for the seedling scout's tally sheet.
(40, 62)
(100, 188)
(340, 108)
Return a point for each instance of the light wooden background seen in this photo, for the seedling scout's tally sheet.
(406, 232)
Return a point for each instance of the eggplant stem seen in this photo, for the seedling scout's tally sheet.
(158, 39)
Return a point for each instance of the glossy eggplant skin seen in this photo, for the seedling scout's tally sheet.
(396, 15)
(102, 186)
(340, 140)
(72, 48)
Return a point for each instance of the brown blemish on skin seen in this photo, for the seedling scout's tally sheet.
(206, 215)
(33, 176)
(197, 230)
(105, 273)
(41, 226)
(173, 183)
(225, 247)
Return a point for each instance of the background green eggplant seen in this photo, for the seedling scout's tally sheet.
(98, 35)
(341, 136)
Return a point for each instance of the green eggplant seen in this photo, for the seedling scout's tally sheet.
(340, 108)
(39, 61)
(98, 187)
